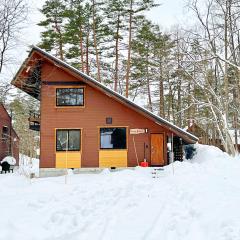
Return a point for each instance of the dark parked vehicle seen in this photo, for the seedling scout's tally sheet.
(6, 167)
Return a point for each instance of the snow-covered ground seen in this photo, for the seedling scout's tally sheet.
(192, 200)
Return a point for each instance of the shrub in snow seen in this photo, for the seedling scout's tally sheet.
(28, 166)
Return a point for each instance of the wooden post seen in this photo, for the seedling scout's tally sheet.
(10, 135)
(66, 159)
(172, 155)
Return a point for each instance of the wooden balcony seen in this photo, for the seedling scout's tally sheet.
(34, 121)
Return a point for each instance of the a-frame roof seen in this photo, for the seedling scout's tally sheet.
(28, 79)
(4, 111)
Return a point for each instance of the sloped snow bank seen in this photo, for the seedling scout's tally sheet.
(215, 161)
(209, 154)
(196, 199)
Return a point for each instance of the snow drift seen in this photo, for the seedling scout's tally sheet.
(10, 160)
(196, 199)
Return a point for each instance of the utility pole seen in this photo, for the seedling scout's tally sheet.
(10, 135)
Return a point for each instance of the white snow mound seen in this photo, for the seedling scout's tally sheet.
(209, 153)
(10, 160)
(197, 199)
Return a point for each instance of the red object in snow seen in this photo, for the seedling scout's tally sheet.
(144, 164)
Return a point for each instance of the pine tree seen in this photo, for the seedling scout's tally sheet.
(162, 58)
(95, 9)
(135, 9)
(53, 38)
(115, 12)
(143, 47)
(76, 20)
(151, 52)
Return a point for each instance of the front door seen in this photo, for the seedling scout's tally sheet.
(157, 146)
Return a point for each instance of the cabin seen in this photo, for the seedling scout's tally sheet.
(9, 140)
(84, 124)
(205, 137)
(194, 128)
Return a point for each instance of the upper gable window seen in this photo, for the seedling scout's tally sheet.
(70, 96)
(5, 132)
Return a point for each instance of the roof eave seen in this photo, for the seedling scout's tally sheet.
(17, 82)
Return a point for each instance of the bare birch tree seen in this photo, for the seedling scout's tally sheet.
(12, 15)
(217, 42)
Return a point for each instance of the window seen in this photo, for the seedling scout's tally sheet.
(70, 96)
(113, 138)
(68, 140)
(5, 132)
(108, 120)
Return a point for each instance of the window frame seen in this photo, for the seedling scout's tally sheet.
(69, 129)
(5, 134)
(112, 149)
(69, 87)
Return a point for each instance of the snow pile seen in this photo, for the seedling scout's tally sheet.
(10, 160)
(28, 166)
(209, 154)
(196, 199)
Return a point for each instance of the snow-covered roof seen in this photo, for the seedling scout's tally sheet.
(91, 81)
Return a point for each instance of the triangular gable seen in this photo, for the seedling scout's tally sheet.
(4, 111)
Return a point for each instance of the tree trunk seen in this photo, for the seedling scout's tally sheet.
(87, 53)
(117, 55)
(179, 104)
(129, 49)
(226, 93)
(161, 94)
(148, 87)
(95, 42)
(81, 48)
(236, 82)
(60, 42)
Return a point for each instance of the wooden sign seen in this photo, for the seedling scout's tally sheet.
(137, 131)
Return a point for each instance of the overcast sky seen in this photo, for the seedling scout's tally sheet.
(170, 12)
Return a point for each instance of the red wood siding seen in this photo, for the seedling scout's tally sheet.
(4, 144)
(98, 106)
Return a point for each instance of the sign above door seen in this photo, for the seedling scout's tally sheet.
(138, 130)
